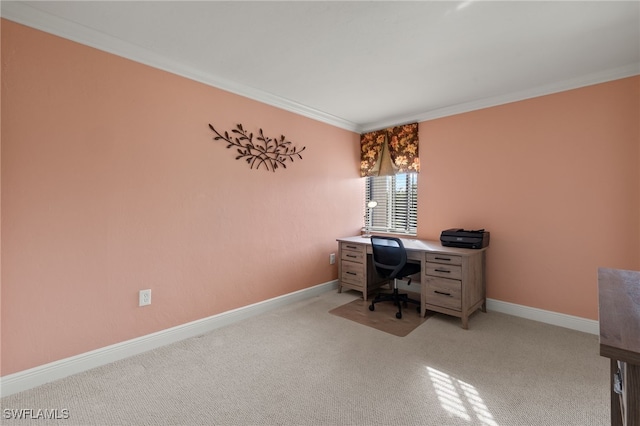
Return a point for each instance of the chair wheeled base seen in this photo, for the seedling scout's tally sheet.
(397, 298)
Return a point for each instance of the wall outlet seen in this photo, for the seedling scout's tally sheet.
(332, 258)
(144, 297)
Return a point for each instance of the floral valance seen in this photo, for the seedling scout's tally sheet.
(390, 151)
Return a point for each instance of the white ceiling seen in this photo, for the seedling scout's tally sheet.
(362, 65)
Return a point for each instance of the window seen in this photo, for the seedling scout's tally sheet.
(397, 208)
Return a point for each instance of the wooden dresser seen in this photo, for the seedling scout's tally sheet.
(452, 279)
(619, 305)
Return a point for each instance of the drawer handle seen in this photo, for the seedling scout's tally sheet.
(442, 293)
(352, 247)
(443, 258)
(351, 273)
(351, 255)
(443, 270)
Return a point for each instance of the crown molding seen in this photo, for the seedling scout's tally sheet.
(31, 17)
(26, 15)
(562, 86)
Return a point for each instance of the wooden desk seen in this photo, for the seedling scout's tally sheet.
(452, 279)
(619, 305)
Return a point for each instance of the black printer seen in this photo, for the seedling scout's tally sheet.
(458, 237)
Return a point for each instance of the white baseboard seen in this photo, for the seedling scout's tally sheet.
(27, 379)
(535, 314)
(548, 317)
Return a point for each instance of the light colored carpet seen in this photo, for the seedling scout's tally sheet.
(300, 365)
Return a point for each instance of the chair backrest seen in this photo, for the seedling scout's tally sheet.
(389, 255)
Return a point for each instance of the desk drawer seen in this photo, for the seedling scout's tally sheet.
(445, 271)
(443, 292)
(352, 255)
(444, 258)
(353, 273)
(354, 247)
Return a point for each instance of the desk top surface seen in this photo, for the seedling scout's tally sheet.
(414, 244)
(619, 305)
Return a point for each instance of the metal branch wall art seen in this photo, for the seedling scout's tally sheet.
(272, 153)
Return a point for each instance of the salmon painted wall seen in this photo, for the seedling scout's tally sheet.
(554, 179)
(112, 183)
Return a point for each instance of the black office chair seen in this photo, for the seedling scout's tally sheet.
(390, 260)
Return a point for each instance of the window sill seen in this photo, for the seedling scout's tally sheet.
(388, 233)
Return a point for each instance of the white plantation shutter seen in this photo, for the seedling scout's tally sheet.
(397, 198)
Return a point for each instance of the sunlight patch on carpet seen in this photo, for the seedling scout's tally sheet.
(460, 399)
